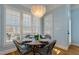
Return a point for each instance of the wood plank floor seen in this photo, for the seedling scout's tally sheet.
(73, 50)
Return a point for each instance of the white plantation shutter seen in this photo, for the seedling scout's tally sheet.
(20, 23)
(36, 25)
(27, 23)
(12, 23)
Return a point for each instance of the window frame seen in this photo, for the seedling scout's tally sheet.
(20, 18)
(9, 42)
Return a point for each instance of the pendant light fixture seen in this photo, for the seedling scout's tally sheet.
(38, 10)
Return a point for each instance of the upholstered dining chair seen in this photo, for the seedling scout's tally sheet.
(42, 36)
(47, 50)
(29, 36)
(21, 48)
(45, 36)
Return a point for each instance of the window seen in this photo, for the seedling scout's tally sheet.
(19, 24)
(48, 24)
(36, 25)
(16, 26)
(27, 22)
(12, 24)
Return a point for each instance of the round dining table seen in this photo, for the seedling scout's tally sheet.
(35, 45)
(24, 41)
(44, 40)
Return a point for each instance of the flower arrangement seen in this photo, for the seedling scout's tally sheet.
(36, 37)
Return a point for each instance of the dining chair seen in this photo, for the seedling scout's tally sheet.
(47, 50)
(48, 36)
(44, 44)
(45, 36)
(29, 36)
(22, 48)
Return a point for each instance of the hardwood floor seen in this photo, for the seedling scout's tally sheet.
(73, 50)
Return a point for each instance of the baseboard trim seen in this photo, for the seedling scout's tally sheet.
(7, 51)
(61, 47)
(75, 44)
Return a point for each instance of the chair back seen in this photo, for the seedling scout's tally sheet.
(51, 46)
(48, 36)
(45, 36)
(17, 46)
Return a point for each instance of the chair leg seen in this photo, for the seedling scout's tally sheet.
(39, 52)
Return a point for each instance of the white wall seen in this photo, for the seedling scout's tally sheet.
(75, 24)
(18, 7)
(1, 26)
(49, 24)
(60, 26)
(60, 16)
(51, 7)
(0, 23)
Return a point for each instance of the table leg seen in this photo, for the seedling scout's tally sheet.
(33, 50)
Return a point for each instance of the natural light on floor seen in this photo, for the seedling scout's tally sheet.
(57, 51)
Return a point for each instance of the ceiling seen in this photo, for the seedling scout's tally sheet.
(49, 7)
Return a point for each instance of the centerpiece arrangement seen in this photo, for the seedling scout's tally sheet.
(37, 36)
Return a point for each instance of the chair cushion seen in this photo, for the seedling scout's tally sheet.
(24, 48)
(43, 51)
